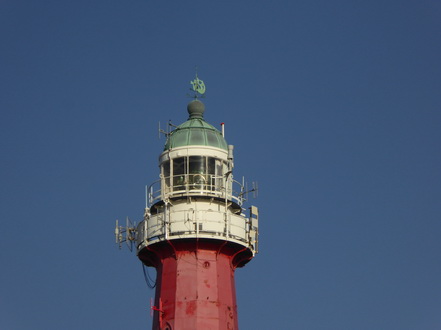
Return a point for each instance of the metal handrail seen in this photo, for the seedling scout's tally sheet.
(191, 184)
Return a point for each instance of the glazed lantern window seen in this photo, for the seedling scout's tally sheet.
(197, 172)
(166, 173)
(179, 173)
(194, 173)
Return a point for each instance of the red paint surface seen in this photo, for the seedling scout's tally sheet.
(195, 283)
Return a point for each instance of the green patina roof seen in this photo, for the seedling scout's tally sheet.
(195, 131)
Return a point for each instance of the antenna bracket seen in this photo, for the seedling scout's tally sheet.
(125, 234)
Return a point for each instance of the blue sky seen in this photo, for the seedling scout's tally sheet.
(333, 107)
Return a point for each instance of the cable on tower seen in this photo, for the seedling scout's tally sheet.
(148, 279)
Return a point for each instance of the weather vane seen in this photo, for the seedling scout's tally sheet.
(198, 87)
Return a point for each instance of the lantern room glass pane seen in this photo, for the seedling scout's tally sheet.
(211, 162)
(197, 172)
(166, 173)
(219, 179)
(179, 171)
(211, 171)
(197, 165)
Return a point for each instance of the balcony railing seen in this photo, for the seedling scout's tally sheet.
(195, 185)
(169, 224)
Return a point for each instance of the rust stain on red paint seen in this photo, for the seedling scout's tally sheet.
(190, 308)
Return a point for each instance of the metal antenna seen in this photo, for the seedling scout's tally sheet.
(245, 190)
(255, 189)
(125, 234)
(165, 132)
(171, 125)
(160, 130)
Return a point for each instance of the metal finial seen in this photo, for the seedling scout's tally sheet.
(198, 86)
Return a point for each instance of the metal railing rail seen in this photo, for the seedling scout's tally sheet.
(195, 184)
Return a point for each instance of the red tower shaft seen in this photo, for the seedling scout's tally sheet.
(195, 284)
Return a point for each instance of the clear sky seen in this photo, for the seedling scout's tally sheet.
(334, 107)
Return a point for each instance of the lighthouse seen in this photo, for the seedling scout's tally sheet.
(196, 228)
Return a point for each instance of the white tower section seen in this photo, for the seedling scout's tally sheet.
(196, 196)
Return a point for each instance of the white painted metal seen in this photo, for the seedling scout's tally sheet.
(197, 204)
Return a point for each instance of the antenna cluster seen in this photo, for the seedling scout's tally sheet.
(125, 234)
(167, 131)
(245, 191)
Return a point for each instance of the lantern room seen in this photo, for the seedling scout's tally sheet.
(196, 162)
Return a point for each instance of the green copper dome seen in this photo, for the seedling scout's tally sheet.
(195, 131)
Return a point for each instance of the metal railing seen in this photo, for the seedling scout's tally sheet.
(195, 184)
(202, 224)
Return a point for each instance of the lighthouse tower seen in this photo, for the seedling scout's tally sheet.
(196, 231)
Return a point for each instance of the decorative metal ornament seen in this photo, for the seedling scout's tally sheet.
(198, 86)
